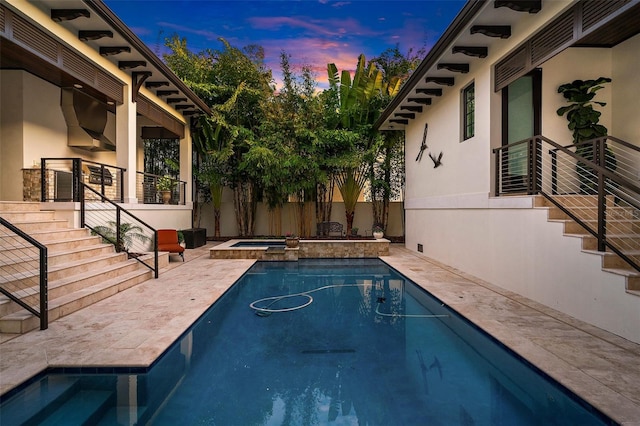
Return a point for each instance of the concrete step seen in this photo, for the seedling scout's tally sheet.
(591, 213)
(30, 226)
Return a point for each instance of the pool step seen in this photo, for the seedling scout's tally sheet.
(28, 408)
(84, 407)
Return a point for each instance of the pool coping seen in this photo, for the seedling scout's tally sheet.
(137, 325)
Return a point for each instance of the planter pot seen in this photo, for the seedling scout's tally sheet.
(378, 234)
(291, 242)
(166, 196)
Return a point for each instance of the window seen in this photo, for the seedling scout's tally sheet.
(468, 110)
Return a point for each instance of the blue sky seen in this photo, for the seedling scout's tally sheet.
(312, 32)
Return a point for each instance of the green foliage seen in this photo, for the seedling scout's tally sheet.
(165, 183)
(581, 116)
(128, 234)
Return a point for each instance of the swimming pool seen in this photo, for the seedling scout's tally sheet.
(370, 348)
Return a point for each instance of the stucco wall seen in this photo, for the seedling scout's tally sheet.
(11, 133)
(626, 91)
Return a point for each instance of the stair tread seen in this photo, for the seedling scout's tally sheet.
(79, 408)
(67, 298)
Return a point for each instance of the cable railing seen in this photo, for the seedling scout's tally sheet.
(150, 192)
(119, 227)
(594, 183)
(24, 271)
(62, 177)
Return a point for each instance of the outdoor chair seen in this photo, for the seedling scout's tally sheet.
(168, 241)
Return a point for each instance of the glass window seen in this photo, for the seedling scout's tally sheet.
(469, 106)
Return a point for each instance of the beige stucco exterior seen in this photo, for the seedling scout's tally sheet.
(452, 213)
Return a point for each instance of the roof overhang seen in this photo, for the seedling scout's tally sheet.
(482, 25)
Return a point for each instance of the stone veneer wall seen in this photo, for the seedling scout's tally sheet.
(343, 248)
(309, 249)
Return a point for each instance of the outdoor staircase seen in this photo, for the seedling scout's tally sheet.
(82, 270)
(623, 220)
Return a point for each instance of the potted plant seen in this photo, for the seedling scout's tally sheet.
(165, 185)
(377, 232)
(291, 240)
(354, 230)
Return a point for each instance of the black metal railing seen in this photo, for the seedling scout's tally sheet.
(119, 227)
(61, 179)
(148, 191)
(24, 271)
(595, 183)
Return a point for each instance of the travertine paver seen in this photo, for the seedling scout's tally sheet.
(135, 326)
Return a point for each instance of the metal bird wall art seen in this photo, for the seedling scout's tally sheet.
(423, 146)
(437, 162)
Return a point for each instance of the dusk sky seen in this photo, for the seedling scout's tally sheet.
(312, 32)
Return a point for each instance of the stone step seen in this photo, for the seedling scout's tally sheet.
(27, 258)
(30, 292)
(19, 206)
(45, 236)
(23, 321)
(575, 200)
(591, 213)
(30, 226)
(22, 216)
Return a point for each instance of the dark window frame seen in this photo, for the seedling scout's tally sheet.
(468, 111)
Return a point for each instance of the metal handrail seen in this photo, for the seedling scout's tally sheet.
(599, 173)
(43, 313)
(148, 185)
(77, 177)
(119, 242)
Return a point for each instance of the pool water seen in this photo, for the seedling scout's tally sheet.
(369, 348)
(268, 243)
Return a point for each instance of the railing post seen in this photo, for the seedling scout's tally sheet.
(44, 296)
(102, 180)
(554, 172)
(155, 252)
(43, 179)
(76, 176)
(82, 209)
(497, 171)
(121, 181)
(599, 150)
(530, 167)
(119, 243)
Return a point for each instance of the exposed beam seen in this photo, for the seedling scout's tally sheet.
(138, 78)
(127, 65)
(94, 35)
(430, 92)
(476, 51)
(463, 68)
(443, 81)
(166, 92)
(411, 108)
(176, 100)
(59, 15)
(399, 121)
(179, 107)
(155, 84)
(530, 6)
(423, 101)
(190, 112)
(405, 115)
(114, 50)
(501, 31)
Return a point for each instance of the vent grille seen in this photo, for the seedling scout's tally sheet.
(2, 15)
(78, 66)
(34, 39)
(553, 37)
(511, 67)
(109, 86)
(594, 11)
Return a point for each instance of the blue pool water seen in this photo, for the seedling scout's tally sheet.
(369, 348)
(269, 243)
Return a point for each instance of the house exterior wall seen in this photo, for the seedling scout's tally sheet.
(451, 212)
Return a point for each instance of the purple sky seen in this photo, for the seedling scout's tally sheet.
(313, 32)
